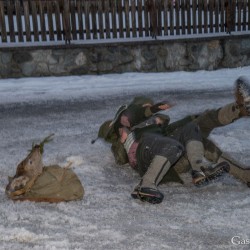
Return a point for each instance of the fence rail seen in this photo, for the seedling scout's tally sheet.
(56, 20)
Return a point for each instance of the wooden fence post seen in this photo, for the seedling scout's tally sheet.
(152, 8)
(188, 17)
(248, 14)
(26, 13)
(10, 10)
(107, 20)
(127, 24)
(66, 22)
(172, 23)
(114, 22)
(228, 16)
(2, 23)
(87, 14)
(245, 14)
(133, 18)
(58, 8)
(80, 19)
(120, 18)
(100, 19)
(211, 16)
(42, 20)
(93, 11)
(72, 14)
(19, 20)
(222, 18)
(165, 6)
(146, 18)
(183, 17)
(50, 21)
(177, 16)
(34, 20)
(233, 14)
(217, 11)
(194, 14)
(200, 13)
(159, 8)
(140, 18)
(205, 16)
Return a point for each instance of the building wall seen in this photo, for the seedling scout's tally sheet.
(149, 56)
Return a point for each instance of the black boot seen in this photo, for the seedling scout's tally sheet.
(208, 174)
(150, 195)
(147, 189)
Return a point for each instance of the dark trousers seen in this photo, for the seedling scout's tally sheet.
(171, 147)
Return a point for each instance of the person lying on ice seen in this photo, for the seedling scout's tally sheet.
(138, 131)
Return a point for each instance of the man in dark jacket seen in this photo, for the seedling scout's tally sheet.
(139, 130)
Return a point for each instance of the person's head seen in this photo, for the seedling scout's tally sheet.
(116, 124)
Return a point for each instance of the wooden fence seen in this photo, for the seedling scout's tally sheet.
(55, 20)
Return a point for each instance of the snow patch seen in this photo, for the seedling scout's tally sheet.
(20, 235)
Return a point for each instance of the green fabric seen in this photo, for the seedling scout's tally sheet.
(154, 128)
(119, 153)
(206, 120)
(136, 114)
(171, 176)
(121, 158)
(212, 152)
(55, 184)
(140, 100)
(107, 133)
(170, 128)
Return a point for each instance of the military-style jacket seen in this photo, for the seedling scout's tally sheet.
(142, 122)
(207, 121)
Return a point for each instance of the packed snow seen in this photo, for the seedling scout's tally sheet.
(73, 107)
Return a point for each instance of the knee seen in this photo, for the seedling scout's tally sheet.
(178, 149)
(191, 132)
(174, 151)
(192, 126)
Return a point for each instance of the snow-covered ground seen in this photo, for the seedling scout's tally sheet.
(108, 218)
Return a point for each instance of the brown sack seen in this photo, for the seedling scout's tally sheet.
(54, 184)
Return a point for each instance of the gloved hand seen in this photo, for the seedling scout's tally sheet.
(160, 106)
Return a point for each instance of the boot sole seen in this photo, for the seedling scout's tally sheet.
(224, 168)
(146, 197)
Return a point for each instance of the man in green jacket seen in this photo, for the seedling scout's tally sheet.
(136, 136)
